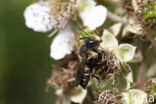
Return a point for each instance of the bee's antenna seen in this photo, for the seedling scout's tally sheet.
(83, 31)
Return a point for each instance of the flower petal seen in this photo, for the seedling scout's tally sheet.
(37, 17)
(79, 95)
(94, 17)
(115, 29)
(109, 41)
(135, 96)
(126, 52)
(63, 43)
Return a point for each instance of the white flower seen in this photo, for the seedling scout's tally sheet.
(62, 43)
(125, 52)
(94, 17)
(37, 16)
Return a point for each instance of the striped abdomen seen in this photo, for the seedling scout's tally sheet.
(83, 75)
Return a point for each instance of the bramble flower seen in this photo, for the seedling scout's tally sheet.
(44, 16)
(125, 52)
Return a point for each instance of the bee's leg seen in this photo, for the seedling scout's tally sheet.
(96, 77)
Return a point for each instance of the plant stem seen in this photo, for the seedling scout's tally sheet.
(116, 18)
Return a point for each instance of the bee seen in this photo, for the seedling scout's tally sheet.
(95, 61)
(88, 55)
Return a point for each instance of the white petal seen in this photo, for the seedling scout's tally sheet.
(59, 92)
(79, 95)
(135, 96)
(126, 52)
(109, 41)
(129, 77)
(115, 29)
(94, 17)
(63, 43)
(37, 17)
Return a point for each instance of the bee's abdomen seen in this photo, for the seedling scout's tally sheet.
(83, 75)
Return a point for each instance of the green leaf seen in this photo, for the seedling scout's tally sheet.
(106, 84)
(122, 83)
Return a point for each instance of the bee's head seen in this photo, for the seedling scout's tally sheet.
(92, 41)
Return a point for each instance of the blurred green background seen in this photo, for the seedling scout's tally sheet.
(25, 64)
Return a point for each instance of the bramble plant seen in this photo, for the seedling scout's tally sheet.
(121, 69)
